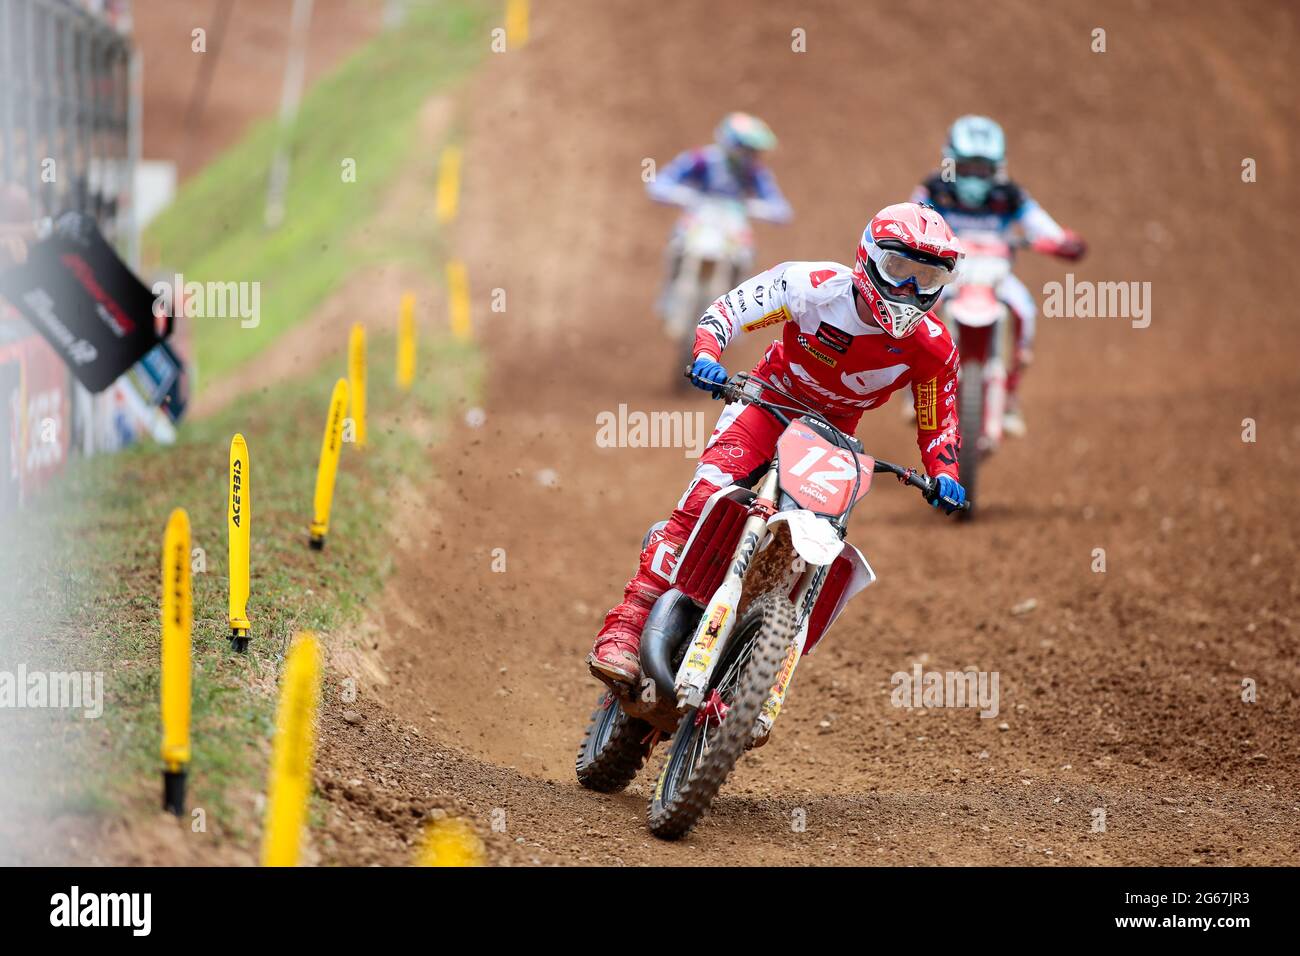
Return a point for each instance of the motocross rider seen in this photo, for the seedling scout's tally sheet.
(732, 167)
(974, 194)
(846, 340)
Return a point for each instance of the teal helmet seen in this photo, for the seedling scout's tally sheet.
(742, 137)
(978, 151)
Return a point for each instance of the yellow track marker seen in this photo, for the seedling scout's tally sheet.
(357, 380)
(406, 342)
(458, 300)
(328, 468)
(177, 621)
(292, 753)
(516, 23)
(450, 842)
(448, 184)
(239, 519)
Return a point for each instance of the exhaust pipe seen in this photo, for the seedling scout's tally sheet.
(670, 625)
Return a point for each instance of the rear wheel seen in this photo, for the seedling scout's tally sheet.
(613, 748)
(710, 739)
(970, 412)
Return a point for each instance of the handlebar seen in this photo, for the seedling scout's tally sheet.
(741, 388)
(928, 486)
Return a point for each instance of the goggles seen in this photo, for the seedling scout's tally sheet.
(976, 166)
(898, 270)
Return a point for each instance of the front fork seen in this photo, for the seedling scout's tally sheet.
(809, 586)
(719, 617)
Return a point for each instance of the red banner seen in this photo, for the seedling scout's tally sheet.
(35, 418)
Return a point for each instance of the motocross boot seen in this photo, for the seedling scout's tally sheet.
(1013, 420)
(615, 658)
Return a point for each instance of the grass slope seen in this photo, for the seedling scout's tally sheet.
(99, 550)
(365, 112)
(79, 571)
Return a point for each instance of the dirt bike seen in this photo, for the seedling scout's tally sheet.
(717, 252)
(760, 580)
(981, 325)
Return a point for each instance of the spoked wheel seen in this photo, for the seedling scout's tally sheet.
(614, 747)
(970, 412)
(710, 739)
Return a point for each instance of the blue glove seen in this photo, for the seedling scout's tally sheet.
(948, 488)
(707, 374)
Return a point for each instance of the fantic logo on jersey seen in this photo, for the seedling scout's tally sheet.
(938, 440)
(927, 399)
(806, 381)
(820, 276)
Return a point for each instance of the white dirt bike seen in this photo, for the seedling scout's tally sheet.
(762, 577)
(717, 254)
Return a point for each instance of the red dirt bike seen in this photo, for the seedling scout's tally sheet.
(758, 583)
(981, 326)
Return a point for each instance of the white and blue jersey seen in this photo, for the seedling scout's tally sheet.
(706, 170)
(1007, 211)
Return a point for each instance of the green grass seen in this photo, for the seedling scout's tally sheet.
(365, 111)
(79, 570)
(98, 551)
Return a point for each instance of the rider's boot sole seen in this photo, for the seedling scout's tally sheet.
(610, 674)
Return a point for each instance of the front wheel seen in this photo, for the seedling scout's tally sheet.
(710, 739)
(613, 748)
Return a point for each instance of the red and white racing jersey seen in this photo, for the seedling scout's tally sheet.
(831, 359)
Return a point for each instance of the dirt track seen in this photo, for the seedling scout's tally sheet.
(1119, 690)
(247, 72)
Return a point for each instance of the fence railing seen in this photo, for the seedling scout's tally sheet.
(66, 111)
(69, 142)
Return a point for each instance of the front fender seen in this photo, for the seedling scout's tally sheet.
(815, 539)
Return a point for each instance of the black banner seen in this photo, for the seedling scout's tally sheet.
(91, 308)
(974, 909)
